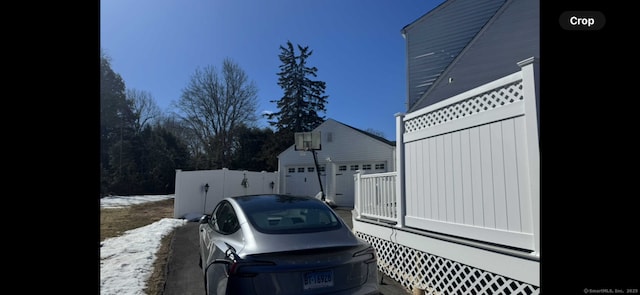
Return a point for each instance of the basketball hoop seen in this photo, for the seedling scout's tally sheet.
(310, 141)
(307, 141)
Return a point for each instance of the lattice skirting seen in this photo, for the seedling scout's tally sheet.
(438, 275)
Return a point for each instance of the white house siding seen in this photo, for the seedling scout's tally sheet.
(341, 146)
(512, 35)
(437, 38)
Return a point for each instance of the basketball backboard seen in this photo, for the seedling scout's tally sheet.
(306, 141)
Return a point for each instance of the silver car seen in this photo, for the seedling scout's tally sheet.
(281, 244)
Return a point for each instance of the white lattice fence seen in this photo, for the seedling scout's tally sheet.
(438, 275)
(501, 96)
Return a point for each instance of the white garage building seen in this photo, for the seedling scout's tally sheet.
(344, 150)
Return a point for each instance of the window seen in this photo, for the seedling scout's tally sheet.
(300, 169)
(292, 170)
(379, 166)
(366, 166)
(292, 218)
(342, 168)
(321, 168)
(224, 219)
(354, 167)
(311, 169)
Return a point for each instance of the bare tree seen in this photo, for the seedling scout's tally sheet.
(144, 107)
(214, 104)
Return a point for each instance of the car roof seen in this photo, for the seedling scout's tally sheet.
(279, 201)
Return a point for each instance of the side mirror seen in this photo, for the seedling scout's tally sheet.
(204, 219)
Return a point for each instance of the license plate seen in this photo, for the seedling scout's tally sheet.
(317, 279)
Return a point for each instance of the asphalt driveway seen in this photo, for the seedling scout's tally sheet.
(184, 277)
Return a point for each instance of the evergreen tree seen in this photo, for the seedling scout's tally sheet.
(303, 99)
(250, 145)
(116, 124)
(136, 156)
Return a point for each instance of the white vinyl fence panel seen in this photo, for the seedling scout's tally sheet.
(192, 198)
(467, 166)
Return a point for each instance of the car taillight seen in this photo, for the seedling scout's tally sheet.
(369, 252)
(244, 268)
(233, 268)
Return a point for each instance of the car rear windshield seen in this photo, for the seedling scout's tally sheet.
(299, 216)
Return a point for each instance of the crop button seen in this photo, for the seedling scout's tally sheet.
(582, 20)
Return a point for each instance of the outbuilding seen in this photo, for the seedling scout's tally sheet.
(344, 150)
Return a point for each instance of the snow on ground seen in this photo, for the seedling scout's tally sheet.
(120, 201)
(126, 262)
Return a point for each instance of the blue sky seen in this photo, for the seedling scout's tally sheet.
(156, 45)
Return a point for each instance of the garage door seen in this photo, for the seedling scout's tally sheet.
(344, 180)
(303, 180)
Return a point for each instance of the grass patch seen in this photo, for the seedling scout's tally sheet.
(156, 282)
(115, 221)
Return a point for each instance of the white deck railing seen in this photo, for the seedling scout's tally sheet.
(376, 197)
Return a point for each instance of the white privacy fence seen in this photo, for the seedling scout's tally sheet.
(471, 163)
(199, 191)
(468, 166)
